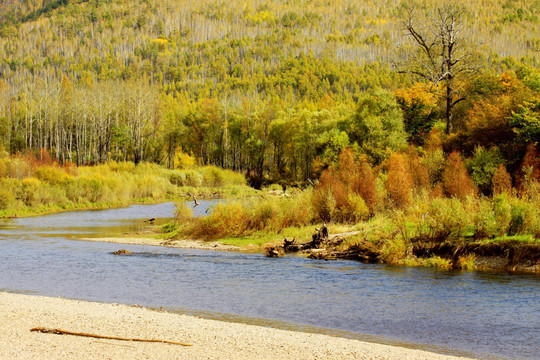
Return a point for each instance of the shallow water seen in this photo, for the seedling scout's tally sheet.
(491, 316)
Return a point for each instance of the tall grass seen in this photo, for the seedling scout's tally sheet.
(245, 217)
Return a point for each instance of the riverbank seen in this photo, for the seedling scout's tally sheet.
(508, 256)
(210, 339)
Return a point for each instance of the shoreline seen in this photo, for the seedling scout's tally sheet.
(209, 338)
(494, 263)
(182, 244)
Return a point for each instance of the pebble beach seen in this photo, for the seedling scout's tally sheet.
(209, 339)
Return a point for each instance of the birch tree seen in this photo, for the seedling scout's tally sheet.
(440, 54)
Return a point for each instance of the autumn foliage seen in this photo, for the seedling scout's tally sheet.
(399, 183)
(502, 182)
(456, 180)
(346, 193)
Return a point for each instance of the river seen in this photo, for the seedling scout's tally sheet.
(489, 316)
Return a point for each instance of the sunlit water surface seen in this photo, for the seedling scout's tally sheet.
(492, 316)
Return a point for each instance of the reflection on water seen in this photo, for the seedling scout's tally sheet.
(487, 315)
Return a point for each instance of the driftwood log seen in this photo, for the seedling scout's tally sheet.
(319, 240)
(66, 332)
(363, 251)
(274, 251)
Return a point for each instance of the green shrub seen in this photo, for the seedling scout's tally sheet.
(265, 215)
(193, 178)
(213, 177)
(434, 162)
(394, 250)
(416, 214)
(29, 192)
(177, 178)
(8, 190)
(517, 219)
(437, 262)
(84, 189)
(183, 213)
(298, 211)
(485, 220)
(503, 212)
(357, 209)
(226, 219)
(51, 195)
(446, 219)
(483, 166)
(531, 219)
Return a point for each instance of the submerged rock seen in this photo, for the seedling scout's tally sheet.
(122, 252)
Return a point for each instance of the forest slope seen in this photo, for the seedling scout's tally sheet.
(266, 87)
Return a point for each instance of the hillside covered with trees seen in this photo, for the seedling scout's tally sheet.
(276, 89)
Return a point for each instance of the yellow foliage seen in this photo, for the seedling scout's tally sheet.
(51, 174)
(261, 16)
(466, 262)
(508, 81)
(419, 92)
(183, 160)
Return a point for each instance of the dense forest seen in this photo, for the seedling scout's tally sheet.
(276, 89)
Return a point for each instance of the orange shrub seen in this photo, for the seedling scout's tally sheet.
(347, 168)
(530, 160)
(419, 173)
(323, 198)
(399, 184)
(365, 184)
(456, 180)
(344, 194)
(502, 182)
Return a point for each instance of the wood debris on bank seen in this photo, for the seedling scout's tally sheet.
(96, 336)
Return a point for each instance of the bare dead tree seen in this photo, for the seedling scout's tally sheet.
(440, 53)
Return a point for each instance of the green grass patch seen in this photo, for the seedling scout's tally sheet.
(256, 240)
(526, 239)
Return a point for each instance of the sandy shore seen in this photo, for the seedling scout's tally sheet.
(185, 244)
(211, 339)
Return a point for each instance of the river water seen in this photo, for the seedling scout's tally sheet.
(490, 316)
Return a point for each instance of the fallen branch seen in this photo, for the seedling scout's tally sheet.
(65, 332)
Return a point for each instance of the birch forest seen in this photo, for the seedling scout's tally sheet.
(275, 89)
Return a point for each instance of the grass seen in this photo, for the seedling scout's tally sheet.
(437, 262)
(256, 240)
(525, 239)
